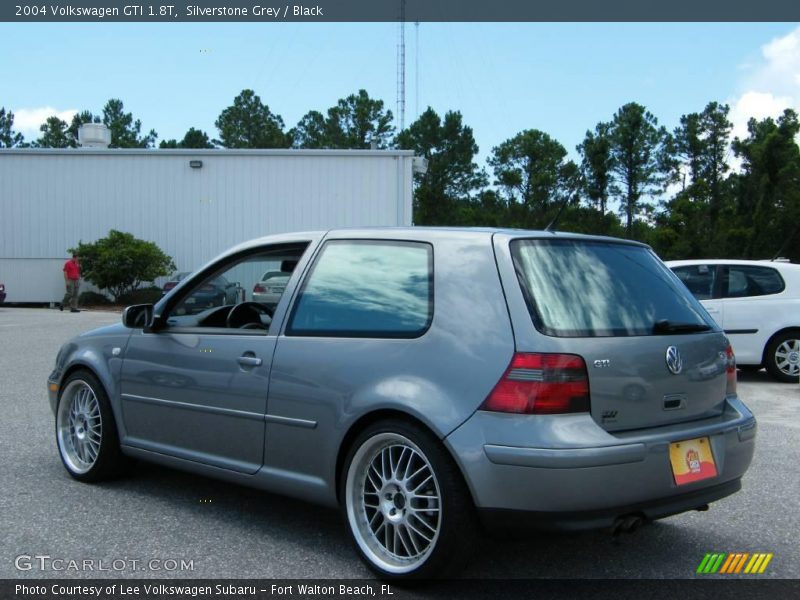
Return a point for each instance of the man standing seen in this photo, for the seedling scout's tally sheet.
(72, 279)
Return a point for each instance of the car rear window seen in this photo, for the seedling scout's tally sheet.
(577, 288)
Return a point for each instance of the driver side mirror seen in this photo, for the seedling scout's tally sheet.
(138, 316)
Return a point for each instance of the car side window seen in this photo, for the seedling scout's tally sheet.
(236, 296)
(740, 281)
(699, 279)
(366, 288)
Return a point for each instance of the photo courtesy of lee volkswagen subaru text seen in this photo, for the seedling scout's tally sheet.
(430, 382)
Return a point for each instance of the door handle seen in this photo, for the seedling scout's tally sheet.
(249, 361)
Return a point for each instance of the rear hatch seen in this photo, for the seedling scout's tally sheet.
(653, 355)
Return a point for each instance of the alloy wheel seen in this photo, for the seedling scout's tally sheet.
(394, 503)
(787, 357)
(79, 426)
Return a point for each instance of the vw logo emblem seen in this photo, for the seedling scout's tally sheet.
(674, 360)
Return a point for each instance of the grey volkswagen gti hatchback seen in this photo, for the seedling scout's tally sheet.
(426, 381)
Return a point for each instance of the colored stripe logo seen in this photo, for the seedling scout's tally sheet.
(734, 563)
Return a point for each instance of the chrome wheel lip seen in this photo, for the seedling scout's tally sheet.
(787, 357)
(356, 507)
(79, 427)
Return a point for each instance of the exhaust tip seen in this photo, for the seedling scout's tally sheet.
(702, 508)
(626, 524)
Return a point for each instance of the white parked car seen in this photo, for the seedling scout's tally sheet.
(757, 303)
(269, 290)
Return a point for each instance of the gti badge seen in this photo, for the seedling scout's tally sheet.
(674, 360)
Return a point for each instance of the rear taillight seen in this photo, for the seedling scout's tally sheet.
(169, 285)
(259, 289)
(541, 384)
(730, 369)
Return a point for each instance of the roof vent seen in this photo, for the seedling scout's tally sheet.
(94, 135)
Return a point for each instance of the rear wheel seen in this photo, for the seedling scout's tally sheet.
(405, 503)
(85, 430)
(783, 357)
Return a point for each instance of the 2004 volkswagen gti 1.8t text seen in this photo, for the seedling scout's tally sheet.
(426, 381)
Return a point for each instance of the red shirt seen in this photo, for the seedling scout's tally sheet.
(73, 269)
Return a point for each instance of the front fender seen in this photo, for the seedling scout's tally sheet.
(102, 354)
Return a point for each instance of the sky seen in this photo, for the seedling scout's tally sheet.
(502, 77)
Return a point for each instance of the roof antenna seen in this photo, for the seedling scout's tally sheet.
(551, 226)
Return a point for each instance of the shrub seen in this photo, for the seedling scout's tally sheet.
(148, 295)
(120, 263)
(93, 299)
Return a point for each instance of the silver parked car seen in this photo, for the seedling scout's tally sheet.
(269, 290)
(427, 382)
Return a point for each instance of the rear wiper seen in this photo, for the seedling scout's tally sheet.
(665, 326)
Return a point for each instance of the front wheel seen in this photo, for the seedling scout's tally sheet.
(783, 357)
(406, 505)
(85, 430)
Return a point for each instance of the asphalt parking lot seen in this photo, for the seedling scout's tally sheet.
(227, 531)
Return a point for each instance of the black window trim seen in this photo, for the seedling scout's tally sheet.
(289, 330)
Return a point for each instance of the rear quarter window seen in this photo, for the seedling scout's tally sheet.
(366, 288)
(578, 288)
(741, 281)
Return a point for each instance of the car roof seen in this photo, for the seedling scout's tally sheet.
(780, 265)
(431, 232)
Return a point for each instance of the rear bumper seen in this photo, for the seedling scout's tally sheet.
(501, 520)
(566, 471)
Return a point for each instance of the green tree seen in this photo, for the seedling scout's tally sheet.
(640, 160)
(55, 134)
(8, 137)
(120, 263)
(249, 123)
(595, 151)
(696, 221)
(452, 174)
(534, 177)
(487, 210)
(125, 131)
(194, 138)
(311, 131)
(768, 189)
(356, 122)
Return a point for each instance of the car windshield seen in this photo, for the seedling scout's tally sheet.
(577, 288)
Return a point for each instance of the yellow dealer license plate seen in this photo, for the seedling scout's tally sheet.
(692, 460)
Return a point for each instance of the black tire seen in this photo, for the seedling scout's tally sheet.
(749, 368)
(783, 355)
(86, 434)
(435, 517)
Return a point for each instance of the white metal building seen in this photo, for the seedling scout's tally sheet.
(192, 203)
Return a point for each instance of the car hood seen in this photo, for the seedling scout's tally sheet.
(115, 329)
